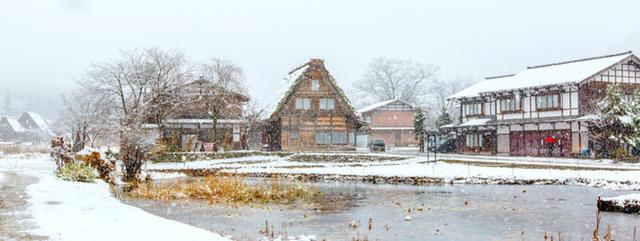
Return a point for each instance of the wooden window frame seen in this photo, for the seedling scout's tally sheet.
(478, 140)
(302, 99)
(317, 81)
(480, 113)
(559, 107)
(512, 97)
(326, 100)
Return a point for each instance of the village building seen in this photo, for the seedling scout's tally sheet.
(391, 121)
(30, 127)
(10, 129)
(544, 110)
(191, 127)
(313, 115)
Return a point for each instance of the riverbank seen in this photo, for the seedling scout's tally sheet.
(61, 210)
(410, 170)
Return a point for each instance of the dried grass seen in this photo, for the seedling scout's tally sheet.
(225, 189)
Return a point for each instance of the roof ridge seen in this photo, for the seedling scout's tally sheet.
(579, 60)
(299, 67)
(498, 76)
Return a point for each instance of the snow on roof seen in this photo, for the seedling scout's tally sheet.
(42, 124)
(376, 105)
(551, 74)
(475, 122)
(14, 124)
(284, 87)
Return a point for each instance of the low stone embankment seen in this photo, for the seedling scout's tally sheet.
(621, 204)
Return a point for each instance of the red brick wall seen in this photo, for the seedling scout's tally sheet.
(392, 119)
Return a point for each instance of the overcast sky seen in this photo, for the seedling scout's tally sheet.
(47, 44)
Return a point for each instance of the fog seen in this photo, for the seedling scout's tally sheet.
(45, 46)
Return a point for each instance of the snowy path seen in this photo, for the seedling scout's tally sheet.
(88, 211)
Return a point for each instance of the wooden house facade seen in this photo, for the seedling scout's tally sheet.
(313, 115)
(191, 126)
(391, 121)
(516, 114)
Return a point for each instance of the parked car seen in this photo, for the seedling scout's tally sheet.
(378, 145)
(445, 146)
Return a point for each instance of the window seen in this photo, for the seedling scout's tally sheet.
(315, 85)
(294, 135)
(327, 137)
(326, 104)
(473, 109)
(510, 105)
(303, 103)
(473, 140)
(547, 102)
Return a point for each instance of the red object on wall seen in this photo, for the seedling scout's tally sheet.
(549, 139)
(534, 143)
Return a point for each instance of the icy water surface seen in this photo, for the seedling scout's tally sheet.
(449, 212)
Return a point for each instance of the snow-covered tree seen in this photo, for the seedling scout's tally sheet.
(386, 79)
(140, 86)
(615, 123)
(444, 118)
(419, 127)
(634, 115)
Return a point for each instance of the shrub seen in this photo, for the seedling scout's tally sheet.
(77, 172)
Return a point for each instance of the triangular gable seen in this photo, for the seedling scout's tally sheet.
(381, 104)
(599, 75)
(298, 76)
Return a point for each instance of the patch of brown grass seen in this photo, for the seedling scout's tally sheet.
(225, 189)
(22, 149)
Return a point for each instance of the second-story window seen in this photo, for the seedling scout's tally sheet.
(510, 105)
(303, 103)
(548, 102)
(315, 85)
(326, 104)
(473, 109)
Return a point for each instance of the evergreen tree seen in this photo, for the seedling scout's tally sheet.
(418, 127)
(634, 114)
(444, 118)
(615, 126)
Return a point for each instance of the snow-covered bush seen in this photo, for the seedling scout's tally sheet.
(77, 172)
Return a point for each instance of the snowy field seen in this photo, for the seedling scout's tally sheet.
(88, 211)
(416, 167)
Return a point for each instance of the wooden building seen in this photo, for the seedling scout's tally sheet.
(514, 114)
(313, 115)
(191, 126)
(391, 121)
(11, 129)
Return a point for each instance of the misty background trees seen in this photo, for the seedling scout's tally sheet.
(410, 81)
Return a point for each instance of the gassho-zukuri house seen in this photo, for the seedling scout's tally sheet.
(522, 114)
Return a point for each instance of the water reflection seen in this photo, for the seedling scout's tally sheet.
(439, 212)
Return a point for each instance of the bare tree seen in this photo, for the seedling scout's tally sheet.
(142, 84)
(440, 90)
(85, 116)
(386, 79)
(224, 89)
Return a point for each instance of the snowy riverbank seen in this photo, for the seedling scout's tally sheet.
(67, 211)
(629, 203)
(612, 176)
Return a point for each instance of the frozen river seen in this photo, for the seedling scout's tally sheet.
(439, 212)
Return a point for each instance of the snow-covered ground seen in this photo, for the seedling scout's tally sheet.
(416, 167)
(88, 211)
